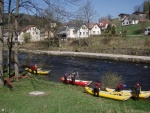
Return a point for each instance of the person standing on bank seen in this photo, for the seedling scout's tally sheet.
(137, 90)
(96, 89)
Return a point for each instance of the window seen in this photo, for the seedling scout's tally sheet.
(93, 32)
(74, 31)
(80, 33)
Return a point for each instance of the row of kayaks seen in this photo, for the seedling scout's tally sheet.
(121, 95)
(143, 94)
(109, 93)
(39, 71)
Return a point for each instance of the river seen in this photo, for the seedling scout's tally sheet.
(90, 69)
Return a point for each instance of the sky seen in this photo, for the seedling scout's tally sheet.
(105, 7)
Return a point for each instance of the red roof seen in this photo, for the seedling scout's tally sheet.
(105, 22)
(27, 28)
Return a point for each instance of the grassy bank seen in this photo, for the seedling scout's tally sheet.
(130, 45)
(61, 98)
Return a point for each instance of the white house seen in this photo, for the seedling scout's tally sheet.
(83, 31)
(95, 29)
(76, 31)
(71, 30)
(134, 18)
(33, 31)
(104, 23)
(14, 39)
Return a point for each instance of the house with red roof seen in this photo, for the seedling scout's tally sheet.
(32, 31)
(104, 23)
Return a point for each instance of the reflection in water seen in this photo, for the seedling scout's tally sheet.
(92, 69)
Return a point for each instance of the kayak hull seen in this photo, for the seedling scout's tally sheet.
(143, 94)
(77, 82)
(105, 94)
(39, 71)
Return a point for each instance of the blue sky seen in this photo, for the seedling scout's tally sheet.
(105, 7)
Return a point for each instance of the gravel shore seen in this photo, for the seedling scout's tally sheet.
(116, 57)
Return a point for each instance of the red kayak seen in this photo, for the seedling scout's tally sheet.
(77, 82)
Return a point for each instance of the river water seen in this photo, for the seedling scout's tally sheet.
(90, 69)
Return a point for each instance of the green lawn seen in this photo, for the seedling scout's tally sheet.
(61, 98)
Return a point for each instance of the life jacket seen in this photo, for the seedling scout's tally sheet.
(35, 67)
(137, 87)
(97, 85)
(120, 86)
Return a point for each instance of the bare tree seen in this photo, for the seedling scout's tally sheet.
(16, 42)
(88, 14)
(137, 8)
(13, 25)
(52, 20)
(1, 40)
(10, 38)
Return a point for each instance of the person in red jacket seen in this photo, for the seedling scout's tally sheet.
(137, 90)
(119, 87)
(96, 89)
(35, 68)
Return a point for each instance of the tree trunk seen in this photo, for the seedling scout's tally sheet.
(9, 40)
(1, 41)
(16, 40)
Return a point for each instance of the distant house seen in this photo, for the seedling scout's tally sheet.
(44, 34)
(130, 19)
(104, 23)
(83, 31)
(95, 29)
(33, 31)
(79, 30)
(14, 39)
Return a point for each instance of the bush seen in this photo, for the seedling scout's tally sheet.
(110, 79)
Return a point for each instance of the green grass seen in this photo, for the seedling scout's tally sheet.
(136, 29)
(61, 98)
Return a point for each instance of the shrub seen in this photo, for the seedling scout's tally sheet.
(110, 79)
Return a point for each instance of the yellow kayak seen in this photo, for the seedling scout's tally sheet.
(111, 95)
(39, 71)
(143, 94)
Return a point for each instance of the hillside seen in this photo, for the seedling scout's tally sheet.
(137, 29)
(40, 22)
(25, 20)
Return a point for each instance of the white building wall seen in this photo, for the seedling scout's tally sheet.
(71, 33)
(21, 38)
(83, 32)
(125, 22)
(34, 34)
(95, 30)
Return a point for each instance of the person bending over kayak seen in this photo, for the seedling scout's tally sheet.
(73, 76)
(65, 78)
(96, 89)
(119, 87)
